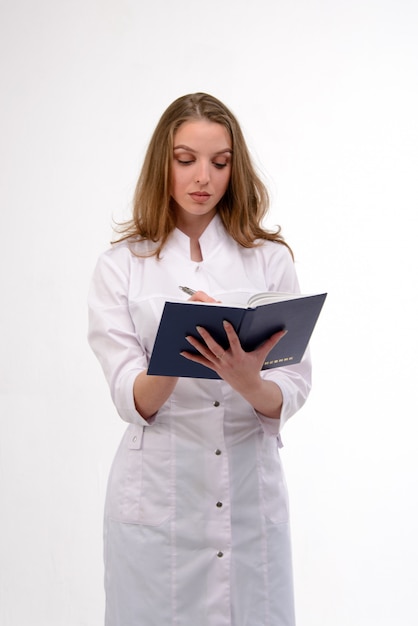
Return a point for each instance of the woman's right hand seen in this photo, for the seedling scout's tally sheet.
(201, 296)
(151, 392)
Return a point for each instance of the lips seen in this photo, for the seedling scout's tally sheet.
(199, 196)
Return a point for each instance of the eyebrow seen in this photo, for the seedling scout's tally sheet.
(183, 147)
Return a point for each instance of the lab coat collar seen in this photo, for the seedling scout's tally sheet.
(212, 237)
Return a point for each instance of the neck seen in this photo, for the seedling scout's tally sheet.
(195, 250)
(192, 225)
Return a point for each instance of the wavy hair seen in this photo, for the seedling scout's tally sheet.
(244, 204)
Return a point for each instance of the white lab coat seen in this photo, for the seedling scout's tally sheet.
(196, 516)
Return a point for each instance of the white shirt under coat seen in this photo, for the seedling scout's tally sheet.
(196, 518)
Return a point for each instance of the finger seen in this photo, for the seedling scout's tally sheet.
(215, 349)
(198, 345)
(209, 340)
(211, 352)
(233, 338)
(205, 357)
(198, 358)
(201, 296)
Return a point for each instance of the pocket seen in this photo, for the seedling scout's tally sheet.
(140, 481)
(273, 484)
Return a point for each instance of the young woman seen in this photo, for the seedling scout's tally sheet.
(196, 519)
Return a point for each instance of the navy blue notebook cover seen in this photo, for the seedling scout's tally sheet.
(298, 315)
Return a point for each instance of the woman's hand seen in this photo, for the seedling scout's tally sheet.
(151, 392)
(201, 296)
(239, 368)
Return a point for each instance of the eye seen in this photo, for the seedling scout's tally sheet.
(185, 161)
(220, 166)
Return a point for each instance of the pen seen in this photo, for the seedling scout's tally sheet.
(187, 290)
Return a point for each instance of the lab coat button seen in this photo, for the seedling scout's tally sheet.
(219, 504)
(216, 403)
(134, 438)
(220, 554)
(218, 452)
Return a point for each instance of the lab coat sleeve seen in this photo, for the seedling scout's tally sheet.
(294, 380)
(295, 384)
(112, 335)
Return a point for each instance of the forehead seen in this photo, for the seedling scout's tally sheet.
(198, 134)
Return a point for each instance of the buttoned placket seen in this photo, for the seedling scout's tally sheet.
(219, 571)
(219, 504)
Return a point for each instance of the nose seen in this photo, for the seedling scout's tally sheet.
(202, 173)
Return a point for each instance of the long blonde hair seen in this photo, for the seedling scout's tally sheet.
(244, 204)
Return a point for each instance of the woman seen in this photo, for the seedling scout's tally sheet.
(196, 519)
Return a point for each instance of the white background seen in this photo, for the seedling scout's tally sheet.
(327, 94)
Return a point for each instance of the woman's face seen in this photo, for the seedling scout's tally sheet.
(201, 169)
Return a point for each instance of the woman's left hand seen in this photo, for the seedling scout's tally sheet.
(239, 368)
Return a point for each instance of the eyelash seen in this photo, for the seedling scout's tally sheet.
(218, 166)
